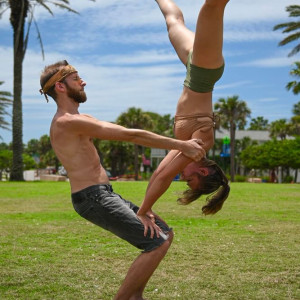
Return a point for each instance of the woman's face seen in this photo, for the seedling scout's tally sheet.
(192, 174)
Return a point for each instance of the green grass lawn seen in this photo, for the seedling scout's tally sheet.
(249, 250)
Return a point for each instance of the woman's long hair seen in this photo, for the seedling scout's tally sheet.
(215, 185)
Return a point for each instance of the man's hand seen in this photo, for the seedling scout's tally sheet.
(193, 149)
(148, 221)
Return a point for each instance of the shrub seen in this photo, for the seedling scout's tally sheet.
(240, 178)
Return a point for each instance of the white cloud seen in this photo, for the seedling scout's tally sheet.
(270, 62)
(273, 99)
(232, 85)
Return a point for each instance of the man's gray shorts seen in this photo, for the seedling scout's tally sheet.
(101, 206)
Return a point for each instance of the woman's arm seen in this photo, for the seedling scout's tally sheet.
(173, 165)
(161, 179)
(165, 162)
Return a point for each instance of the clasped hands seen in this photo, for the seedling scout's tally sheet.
(194, 150)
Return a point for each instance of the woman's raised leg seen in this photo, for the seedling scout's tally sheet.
(180, 37)
(208, 45)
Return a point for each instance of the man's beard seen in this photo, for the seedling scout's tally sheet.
(77, 96)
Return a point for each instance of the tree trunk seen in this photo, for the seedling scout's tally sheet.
(214, 146)
(232, 151)
(17, 19)
(136, 162)
(17, 124)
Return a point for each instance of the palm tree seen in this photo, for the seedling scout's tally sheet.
(162, 124)
(5, 101)
(279, 128)
(135, 118)
(295, 125)
(258, 123)
(295, 120)
(294, 85)
(233, 113)
(22, 11)
(294, 27)
(288, 27)
(296, 109)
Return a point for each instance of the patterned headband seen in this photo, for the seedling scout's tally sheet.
(58, 76)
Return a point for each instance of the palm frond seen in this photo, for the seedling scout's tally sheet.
(3, 11)
(42, 3)
(282, 25)
(294, 10)
(4, 124)
(293, 26)
(27, 33)
(290, 38)
(294, 51)
(294, 86)
(4, 95)
(39, 37)
(63, 6)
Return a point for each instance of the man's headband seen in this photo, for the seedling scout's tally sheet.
(58, 76)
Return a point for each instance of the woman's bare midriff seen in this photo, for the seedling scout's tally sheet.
(191, 103)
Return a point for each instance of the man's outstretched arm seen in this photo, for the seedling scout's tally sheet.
(89, 126)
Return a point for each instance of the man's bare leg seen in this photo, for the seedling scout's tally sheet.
(140, 272)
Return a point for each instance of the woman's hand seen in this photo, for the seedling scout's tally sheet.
(148, 221)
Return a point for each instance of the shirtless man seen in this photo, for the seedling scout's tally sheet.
(72, 136)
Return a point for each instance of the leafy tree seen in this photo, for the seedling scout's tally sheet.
(22, 12)
(115, 156)
(241, 145)
(5, 101)
(259, 123)
(6, 157)
(138, 119)
(162, 124)
(5, 161)
(29, 162)
(273, 154)
(47, 155)
(4, 146)
(32, 147)
(233, 114)
(289, 27)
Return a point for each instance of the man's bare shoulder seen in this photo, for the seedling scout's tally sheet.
(67, 119)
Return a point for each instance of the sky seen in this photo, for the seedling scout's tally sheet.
(121, 49)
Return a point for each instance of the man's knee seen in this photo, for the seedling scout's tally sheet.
(166, 245)
(169, 241)
(171, 236)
